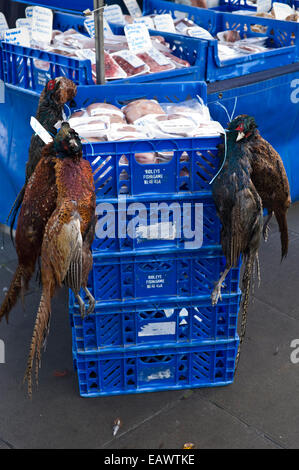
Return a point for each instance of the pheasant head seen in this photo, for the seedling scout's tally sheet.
(67, 143)
(242, 128)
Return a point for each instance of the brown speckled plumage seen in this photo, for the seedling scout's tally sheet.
(65, 254)
(55, 94)
(38, 204)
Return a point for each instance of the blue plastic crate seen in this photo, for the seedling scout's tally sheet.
(144, 278)
(150, 223)
(155, 323)
(283, 37)
(30, 68)
(194, 161)
(233, 5)
(151, 370)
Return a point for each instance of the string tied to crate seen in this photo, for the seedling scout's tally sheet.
(230, 118)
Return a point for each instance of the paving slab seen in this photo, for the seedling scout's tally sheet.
(260, 410)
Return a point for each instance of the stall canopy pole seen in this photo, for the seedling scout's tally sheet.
(98, 6)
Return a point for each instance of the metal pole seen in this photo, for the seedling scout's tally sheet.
(99, 39)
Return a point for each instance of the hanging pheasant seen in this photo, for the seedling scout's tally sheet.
(239, 208)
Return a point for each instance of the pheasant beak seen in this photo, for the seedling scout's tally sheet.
(240, 136)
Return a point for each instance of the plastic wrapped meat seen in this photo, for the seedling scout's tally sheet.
(139, 108)
(75, 40)
(156, 61)
(114, 114)
(130, 63)
(125, 132)
(176, 60)
(145, 158)
(112, 70)
(229, 36)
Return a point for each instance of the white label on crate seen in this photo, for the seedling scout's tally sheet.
(281, 10)
(158, 57)
(131, 58)
(174, 126)
(133, 8)
(113, 14)
(138, 38)
(158, 231)
(162, 374)
(264, 5)
(18, 36)
(29, 12)
(152, 176)
(155, 281)
(145, 20)
(40, 130)
(164, 23)
(42, 25)
(158, 328)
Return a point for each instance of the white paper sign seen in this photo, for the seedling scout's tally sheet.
(264, 6)
(138, 38)
(89, 26)
(281, 10)
(3, 23)
(145, 20)
(17, 36)
(113, 14)
(24, 23)
(29, 12)
(40, 130)
(42, 25)
(133, 8)
(164, 23)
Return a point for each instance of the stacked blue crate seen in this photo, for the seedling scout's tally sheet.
(154, 327)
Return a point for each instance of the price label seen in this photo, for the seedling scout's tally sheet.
(113, 14)
(17, 36)
(145, 20)
(264, 6)
(164, 23)
(42, 25)
(282, 10)
(89, 26)
(29, 12)
(133, 8)
(138, 38)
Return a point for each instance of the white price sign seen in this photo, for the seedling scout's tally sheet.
(42, 25)
(113, 14)
(164, 23)
(133, 8)
(264, 6)
(17, 36)
(138, 38)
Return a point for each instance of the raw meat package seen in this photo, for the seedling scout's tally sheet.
(139, 108)
(130, 63)
(156, 61)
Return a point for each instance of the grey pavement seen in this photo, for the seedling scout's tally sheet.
(260, 410)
